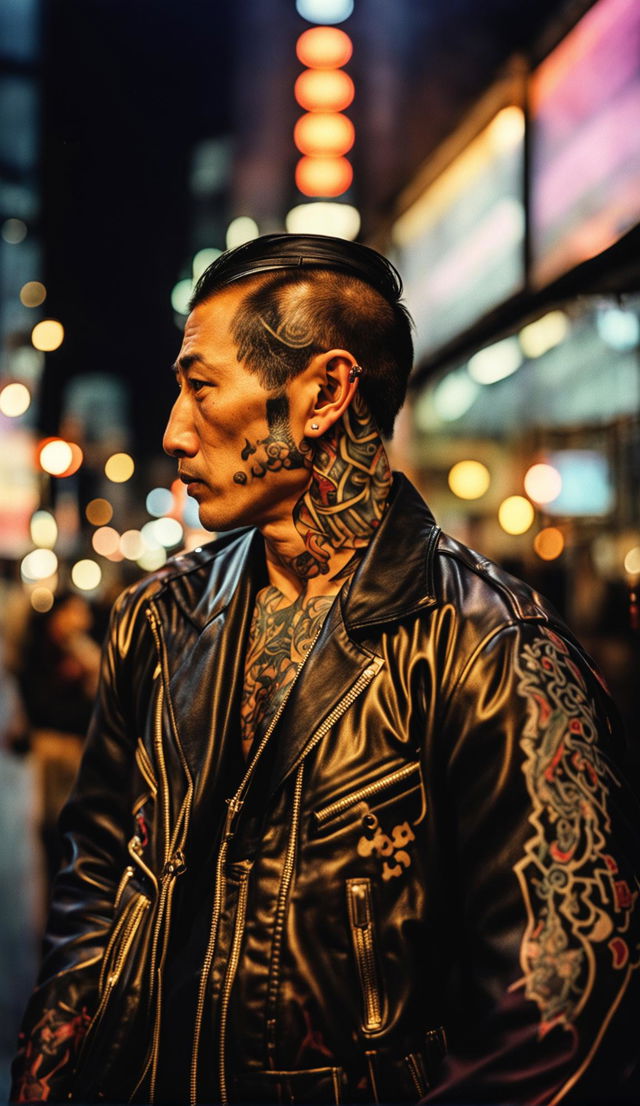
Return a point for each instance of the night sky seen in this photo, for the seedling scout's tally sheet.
(128, 87)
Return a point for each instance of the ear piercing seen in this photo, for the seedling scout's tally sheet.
(315, 425)
(354, 372)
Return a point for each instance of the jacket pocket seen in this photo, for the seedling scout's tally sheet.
(391, 786)
(117, 953)
(361, 922)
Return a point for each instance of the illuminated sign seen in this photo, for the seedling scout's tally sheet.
(460, 246)
(585, 155)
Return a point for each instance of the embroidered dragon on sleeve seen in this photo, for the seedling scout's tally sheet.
(581, 937)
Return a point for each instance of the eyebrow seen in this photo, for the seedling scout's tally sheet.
(184, 363)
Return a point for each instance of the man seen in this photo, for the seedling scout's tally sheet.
(349, 826)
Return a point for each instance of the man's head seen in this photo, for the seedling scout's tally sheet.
(275, 329)
(308, 293)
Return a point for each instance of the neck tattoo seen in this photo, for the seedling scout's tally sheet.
(346, 499)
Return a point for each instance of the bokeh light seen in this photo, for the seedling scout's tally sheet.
(203, 259)
(323, 176)
(321, 133)
(324, 11)
(159, 502)
(180, 296)
(240, 230)
(543, 483)
(55, 456)
(542, 335)
(469, 479)
(86, 575)
(324, 48)
(41, 599)
(33, 293)
(324, 217)
(151, 559)
(632, 561)
(119, 468)
(620, 329)
(132, 545)
(105, 541)
(14, 231)
(47, 335)
(39, 564)
(495, 362)
(99, 512)
(162, 531)
(15, 399)
(43, 529)
(515, 514)
(454, 395)
(549, 543)
(324, 90)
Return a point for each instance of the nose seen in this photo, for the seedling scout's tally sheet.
(180, 438)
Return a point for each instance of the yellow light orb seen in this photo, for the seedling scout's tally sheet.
(632, 561)
(324, 90)
(321, 133)
(119, 468)
(86, 575)
(105, 541)
(41, 599)
(33, 293)
(99, 512)
(549, 543)
(543, 483)
(324, 48)
(15, 399)
(132, 545)
(469, 479)
(515, 514)
(323, 176)
(47, 335)
(55, 457)
(39, 564)
(43, 529)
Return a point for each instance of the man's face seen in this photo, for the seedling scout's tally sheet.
(237, 444)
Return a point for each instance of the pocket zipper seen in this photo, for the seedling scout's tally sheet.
(331, 811)
(360, 908)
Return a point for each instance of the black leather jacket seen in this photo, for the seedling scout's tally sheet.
(432, 840)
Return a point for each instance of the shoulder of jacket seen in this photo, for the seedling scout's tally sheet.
(180, 565)
(479, 587)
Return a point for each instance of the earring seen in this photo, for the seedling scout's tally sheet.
(354, 372)
(315, 425)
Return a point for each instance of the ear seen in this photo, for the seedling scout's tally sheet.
(336, 385)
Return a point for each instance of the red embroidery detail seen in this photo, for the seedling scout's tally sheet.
(619, 951)
(624, 898)
(610, 862)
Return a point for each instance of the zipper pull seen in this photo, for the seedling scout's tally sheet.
(360, 901)
(175, 866)
(234, 806)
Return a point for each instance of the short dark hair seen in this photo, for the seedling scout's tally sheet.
(310, 293)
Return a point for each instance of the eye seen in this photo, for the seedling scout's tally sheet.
(197, 385)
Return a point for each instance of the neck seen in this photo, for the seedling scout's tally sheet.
(340, 511)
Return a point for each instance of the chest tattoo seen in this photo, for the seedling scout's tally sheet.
(280, 637)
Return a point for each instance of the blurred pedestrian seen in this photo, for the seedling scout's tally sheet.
(59, 677)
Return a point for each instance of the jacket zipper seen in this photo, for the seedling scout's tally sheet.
(234, 806)
(126, 876)
(174, 860)
(367, 792)
(232, 965)
(415, 1071)
(283, 896)
(128, 928)
(361, 921)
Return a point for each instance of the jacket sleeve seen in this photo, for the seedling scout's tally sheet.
(543, 998)
(92, 827)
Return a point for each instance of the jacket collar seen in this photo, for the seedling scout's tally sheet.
(394, 578)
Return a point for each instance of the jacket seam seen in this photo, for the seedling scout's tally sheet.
(510, 599)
